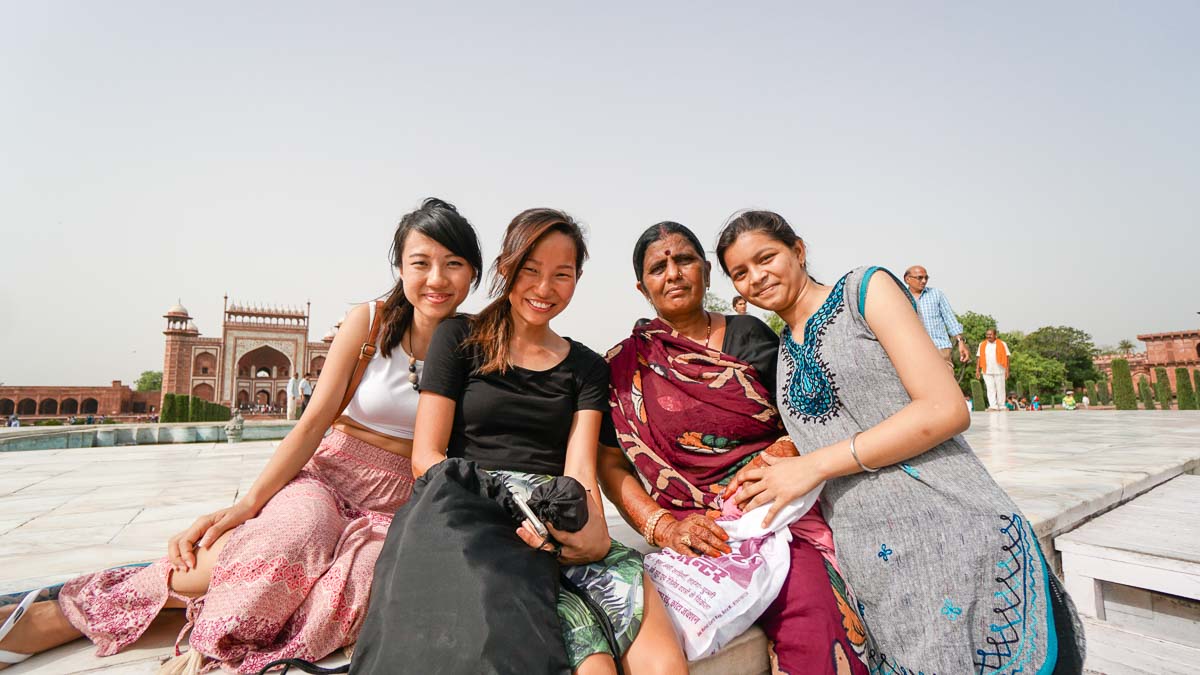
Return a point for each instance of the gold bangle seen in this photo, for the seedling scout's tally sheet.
(651, 523)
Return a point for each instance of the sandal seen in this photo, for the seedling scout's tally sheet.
(13, 657)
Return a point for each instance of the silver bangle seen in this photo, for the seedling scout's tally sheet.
(854, 454)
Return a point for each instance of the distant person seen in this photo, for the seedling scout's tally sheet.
(293, 395)
(1023, 404)
(1085, 401)
(739, 304)
(969, 402)
(993, 365)
(14, 421)
(1036, 404)
(1068, 400)
(306, 390)
(936, 314)
(91, 419)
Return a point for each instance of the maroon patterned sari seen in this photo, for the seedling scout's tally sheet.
(688, 418)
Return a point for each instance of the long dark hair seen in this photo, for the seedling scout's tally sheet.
(658, 232)
(441, 222)
(768, 222)
(492, 327)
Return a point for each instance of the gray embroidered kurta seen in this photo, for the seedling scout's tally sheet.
(947, 571)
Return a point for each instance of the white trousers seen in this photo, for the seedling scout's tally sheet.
(291, 407)
(995, 390)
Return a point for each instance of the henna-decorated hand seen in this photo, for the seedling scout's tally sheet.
(693, 536)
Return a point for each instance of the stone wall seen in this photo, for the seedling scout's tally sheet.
(60, 402)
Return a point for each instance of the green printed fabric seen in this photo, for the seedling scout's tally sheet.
(614, 583)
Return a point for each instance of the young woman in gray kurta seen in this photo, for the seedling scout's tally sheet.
(947, 572)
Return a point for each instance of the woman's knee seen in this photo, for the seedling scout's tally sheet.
(194, 582)
(656, 649)
(597, 664)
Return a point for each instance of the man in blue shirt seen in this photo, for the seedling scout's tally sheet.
(936, 313)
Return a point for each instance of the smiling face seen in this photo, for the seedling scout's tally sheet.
(435, 280)
(674, 276)
(990, 335)
(546, 280)
(765, 271)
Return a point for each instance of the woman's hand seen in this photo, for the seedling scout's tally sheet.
(206, 530)
(588, 545)
(778, 483)
(780, 448)
(693, 536)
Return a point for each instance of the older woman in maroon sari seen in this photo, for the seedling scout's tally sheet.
(692, 397)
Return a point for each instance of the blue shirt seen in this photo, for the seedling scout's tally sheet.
(938, 317)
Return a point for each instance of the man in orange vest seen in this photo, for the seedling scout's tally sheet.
(993, 365)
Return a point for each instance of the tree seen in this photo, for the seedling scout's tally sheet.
(1069, 346)
(1020, 390)
(167, 413)
(715, 303)
(1122, 385)
(1089, 390)
(1104, 395)
(1125, 347)
(777, 324)
(978, 401)
(149, 380)
(1042, 373)
(1184, 395)
(1146, 392)
(1162, 387)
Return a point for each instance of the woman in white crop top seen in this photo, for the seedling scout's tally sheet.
(286, 571)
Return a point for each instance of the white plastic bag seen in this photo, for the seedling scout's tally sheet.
(713, 600)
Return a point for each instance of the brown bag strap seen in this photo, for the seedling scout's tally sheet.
(365, 354)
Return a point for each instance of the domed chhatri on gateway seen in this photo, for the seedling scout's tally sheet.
(177, 310)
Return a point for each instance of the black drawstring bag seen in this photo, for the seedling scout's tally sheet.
(456, 591)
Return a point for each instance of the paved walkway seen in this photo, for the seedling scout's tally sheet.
(63, 512)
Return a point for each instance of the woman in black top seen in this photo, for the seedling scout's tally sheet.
(505, 391)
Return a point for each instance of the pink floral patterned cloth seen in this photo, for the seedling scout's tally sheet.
(292, 582)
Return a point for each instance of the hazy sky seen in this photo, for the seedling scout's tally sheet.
(1041, 159)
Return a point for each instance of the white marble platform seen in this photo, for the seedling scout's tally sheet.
(64, 512)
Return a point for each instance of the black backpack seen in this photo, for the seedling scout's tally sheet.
(456, 591)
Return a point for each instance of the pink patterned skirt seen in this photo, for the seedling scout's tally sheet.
(292, 582)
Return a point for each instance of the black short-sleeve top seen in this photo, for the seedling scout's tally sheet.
(746, 338)
(519, 420)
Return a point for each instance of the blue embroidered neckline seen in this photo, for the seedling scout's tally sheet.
(810, 393)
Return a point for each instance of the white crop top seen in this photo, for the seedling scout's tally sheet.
(385, 400)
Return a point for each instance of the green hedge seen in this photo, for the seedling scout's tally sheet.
(1104, 391)
(1185, 396)
(1089, 390)
(1162, 388)
(1122, 385)
(181, 408)
(1020, 391)
(978, 399)
(1196, 389)
(1146, 392)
